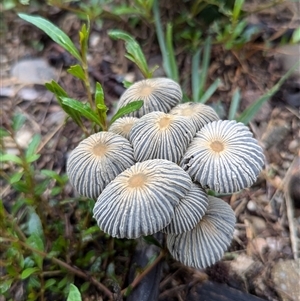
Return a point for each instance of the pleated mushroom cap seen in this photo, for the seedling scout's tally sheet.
(199, 113)
(207, 242)
(224, 157)
(122, 126)
(158, 135)
(158, 94)
(189, 211)
(97, 160)
(142, 199)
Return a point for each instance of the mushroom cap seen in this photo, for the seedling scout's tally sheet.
(158, 94)
(122, 126)
(207, 242)
(141, 200)
(97, 160)
(199, 113)
(224, 157)
(158, 135)
(189, 211)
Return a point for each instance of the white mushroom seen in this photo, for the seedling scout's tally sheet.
(122, 126)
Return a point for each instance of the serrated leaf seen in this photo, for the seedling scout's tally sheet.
(84, 109)
(10, 157)
(74, 294)
(53, 32)
(131, 107)
(28, 272)
(33, 145)
(77, 71)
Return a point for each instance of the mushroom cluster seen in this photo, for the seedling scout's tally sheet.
(151, 170)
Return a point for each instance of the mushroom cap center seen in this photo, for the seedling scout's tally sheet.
(188, 111)
(127, 128)
(100, 149)
(137, 181)
(164, 122)
(145, 90)
(217, 146)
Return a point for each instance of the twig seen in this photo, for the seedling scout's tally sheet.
(139, 278)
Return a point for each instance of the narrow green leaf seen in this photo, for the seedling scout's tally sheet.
(84, 109)
(16, 177)
(32, 158)
(3, 132)
(204, 67)
(195, 75)
(18, 121)
(99, 95)
(235, 101)
(74, 294)
(131, 107)
(10, 157)
(28, 272)
(5, 285)
(250, 112)
(296, 36)
(171, 54)
(210, 91)
(238, 4)
(56, 89)
(36, 242)
(77, 71)
(135, 53)
(53, 32)
(53, 175)
(127, 84)
(50, 282)
(33, 145)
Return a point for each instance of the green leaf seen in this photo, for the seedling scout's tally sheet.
(18, 121)
(127, 84)
(50, 282)
(196, 75)
(99, 95)
(152, 241)
(131, 107)
(36, 242)
(32, 158)
(77, 71)
(16, 177)
(83, 38)
(74, 294)
(35, 224)
(10, 157)
(5, 285)
(28, 272)
(3, 132)
(135, 53)
(250, 112)
(170, 54)
(296, 36)
(33, 145)
(53, 32)
(84, 109)
(238, 4)
(210, 91)
(236, 97)
(54, 175)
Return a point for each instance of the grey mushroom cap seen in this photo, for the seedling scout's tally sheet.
(142, 199)
(97, 160)
(189, 211)
(158, 94)
(122, 126)
(199, 113)
(158, 135)
(224, 157)
(207, 242)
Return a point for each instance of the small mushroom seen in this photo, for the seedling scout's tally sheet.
(199, 113)
(122, 126)
(158, 135)
(224, 157)
(97, 160)
(158, 94)
(142, 199)
(207, 242)
(189, 211)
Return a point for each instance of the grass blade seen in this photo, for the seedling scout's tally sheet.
(235, 101)
(210, 91)
(195, 75)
